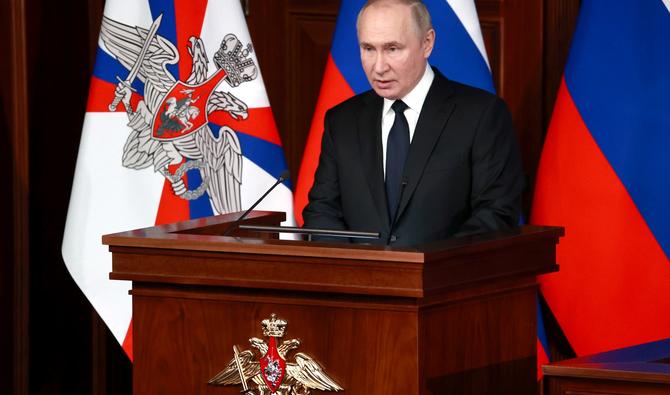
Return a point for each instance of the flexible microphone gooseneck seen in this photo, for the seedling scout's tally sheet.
(283, 177)
(403, 185)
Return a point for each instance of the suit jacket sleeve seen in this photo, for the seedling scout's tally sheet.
(324, 209)
(497, 174)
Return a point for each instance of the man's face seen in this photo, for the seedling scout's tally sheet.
(393, 52)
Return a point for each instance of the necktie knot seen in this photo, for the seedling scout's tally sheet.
(399, 106)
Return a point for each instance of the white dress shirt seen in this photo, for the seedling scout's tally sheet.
(414, 100)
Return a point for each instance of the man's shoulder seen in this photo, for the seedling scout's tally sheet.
(467, 95)
(355, 104)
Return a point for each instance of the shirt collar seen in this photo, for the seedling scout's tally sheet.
(415, 98)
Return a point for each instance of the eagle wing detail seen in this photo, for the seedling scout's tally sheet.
(231, 376)
(309, 374)
(223, 156)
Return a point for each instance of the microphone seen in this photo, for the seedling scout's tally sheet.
(403, 185)
(283, 177)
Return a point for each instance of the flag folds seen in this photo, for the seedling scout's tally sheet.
(604, 176)
(459, 54)
(178, 126)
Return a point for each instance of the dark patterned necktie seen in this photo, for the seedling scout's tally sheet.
(397, 147)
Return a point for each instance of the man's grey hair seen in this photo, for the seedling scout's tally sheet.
(420, 14)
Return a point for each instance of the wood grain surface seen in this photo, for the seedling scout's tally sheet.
(450, 317)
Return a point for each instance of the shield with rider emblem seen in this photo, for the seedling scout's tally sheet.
(184, 108)
(273, 366)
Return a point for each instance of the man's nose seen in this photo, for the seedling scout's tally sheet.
(381, 65)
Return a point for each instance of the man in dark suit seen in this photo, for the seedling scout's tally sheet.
(419, 157)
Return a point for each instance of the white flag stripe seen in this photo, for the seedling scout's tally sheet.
(467, 13)
(106, 198)
(213, 29)
(275, 201)
(132, 12)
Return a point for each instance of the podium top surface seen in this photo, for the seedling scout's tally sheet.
(204, 234)
(194, 252)
(648, 362)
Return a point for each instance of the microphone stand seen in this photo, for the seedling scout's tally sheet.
(283, 177)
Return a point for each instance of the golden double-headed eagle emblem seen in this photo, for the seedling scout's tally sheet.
(269, 369)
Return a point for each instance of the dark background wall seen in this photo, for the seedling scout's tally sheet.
(51, 341)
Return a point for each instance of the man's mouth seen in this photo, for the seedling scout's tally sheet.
(383, 83)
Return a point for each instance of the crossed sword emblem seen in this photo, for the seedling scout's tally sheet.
(138, 63)
(245, 387)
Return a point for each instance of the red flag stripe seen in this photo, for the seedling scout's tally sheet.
(260, 123)
(128, 341)
(334, 90)
(608, 293)
(189, 16)
(542, 359)
(172, 208)
(101, 95)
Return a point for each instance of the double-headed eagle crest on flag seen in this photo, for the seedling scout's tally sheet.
(270, 371)
(169, 125)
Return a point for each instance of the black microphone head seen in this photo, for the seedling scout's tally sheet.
(285, 175)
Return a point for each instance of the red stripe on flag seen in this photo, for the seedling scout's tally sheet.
(613, 274)
(128, 341)
(189, 15)
(334, 90)
(101, 95)
(542, 359)
(172, 208)
(260, 123)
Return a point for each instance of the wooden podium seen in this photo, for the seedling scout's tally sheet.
(643, 369)
(451, 317)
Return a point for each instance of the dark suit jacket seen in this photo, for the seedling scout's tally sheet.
(463, 172)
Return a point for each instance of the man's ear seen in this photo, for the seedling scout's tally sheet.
(428, 43)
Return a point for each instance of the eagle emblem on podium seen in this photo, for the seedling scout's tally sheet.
(269, 369)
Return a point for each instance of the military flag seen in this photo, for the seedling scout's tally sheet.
(178, 126)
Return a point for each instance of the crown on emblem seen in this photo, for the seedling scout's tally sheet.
(233, 58)
(273, 327)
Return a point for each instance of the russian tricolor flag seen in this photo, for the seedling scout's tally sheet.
(605, 176)
(459, 54)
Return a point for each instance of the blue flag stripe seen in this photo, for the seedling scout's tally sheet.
(455, 54)
(541, 330)
(168, 27)
(268, 156)
(345, 50)
(199, 207)
(618, 74)
(108, 69)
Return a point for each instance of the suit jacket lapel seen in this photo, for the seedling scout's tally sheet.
(370, 143)
(432, 120)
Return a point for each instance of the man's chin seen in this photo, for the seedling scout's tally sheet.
(386, 92)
